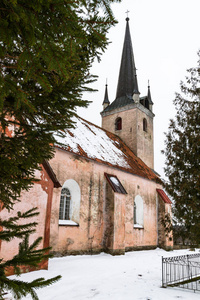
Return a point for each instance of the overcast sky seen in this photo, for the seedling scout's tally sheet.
(166, 37)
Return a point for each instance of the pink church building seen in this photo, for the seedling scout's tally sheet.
(100, 192)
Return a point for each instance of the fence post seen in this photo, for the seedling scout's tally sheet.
(188, 265)
(162, 271)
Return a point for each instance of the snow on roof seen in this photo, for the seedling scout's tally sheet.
(93, 142)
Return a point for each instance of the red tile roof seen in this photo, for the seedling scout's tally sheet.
(93, 142)
(163, 196)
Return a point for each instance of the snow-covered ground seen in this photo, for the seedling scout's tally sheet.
(133, 276)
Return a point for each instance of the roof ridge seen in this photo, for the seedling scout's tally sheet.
(131, 163)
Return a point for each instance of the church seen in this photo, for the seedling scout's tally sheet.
(100, 191)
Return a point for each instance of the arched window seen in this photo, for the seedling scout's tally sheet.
(69, 203)
(65, 199)
(118, 124)
(145, 124)
(138, 212)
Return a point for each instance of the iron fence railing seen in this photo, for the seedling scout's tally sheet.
(181, 271)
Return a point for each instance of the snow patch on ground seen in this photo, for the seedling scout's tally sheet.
(133, 276)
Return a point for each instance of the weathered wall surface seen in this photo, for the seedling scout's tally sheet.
(139, 141)
(145, 237)
(109, 209)
(106, 217)
(119, 223)
(87, 236)
(39, 196)
(165, 240)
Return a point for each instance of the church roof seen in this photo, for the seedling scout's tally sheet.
(92, 142)
(119, 102)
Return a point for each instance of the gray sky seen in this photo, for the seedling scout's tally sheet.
(165, 37)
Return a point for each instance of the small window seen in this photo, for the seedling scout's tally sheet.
(70, 198)
(118, 124)
(65, 201)
(145, 124)
(115, 184)
(138, 212)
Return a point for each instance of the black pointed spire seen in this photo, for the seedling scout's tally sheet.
(127, 88)
(106, 101)
(127, 82)
(149, 95)
(136, 90)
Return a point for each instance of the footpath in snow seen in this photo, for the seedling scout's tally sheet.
(133, 276)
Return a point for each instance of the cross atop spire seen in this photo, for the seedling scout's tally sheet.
(127, 18)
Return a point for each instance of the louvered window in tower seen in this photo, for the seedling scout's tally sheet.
(65, 200)
(118, 124)
(145, 124)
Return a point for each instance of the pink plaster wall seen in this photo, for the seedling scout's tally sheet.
(119, 222)
(38, 196)
(88, 236)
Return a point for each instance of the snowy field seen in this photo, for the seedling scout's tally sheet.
(133, 276)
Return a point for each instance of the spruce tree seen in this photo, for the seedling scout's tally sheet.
(46, 50)
(28, 255)
(182, 153)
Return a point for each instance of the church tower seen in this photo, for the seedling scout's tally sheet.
(130, 116)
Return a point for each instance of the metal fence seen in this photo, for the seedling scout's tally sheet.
(181, 271)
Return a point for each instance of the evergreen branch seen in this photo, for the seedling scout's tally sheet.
(13, 229)
(22, 288)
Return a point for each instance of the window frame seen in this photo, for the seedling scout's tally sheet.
(145, 125)
(74, 210)
(64, 210)
(118, 124)
(138, 212)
